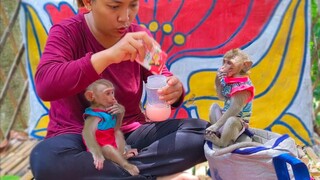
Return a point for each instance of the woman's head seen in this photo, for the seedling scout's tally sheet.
(111, 18)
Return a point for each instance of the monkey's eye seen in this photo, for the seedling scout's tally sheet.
(109, 93)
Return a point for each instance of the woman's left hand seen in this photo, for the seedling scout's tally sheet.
(172, 92)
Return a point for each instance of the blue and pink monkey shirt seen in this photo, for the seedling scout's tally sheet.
(230, 86)
(105, 130)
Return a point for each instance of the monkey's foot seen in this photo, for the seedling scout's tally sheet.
(211, 136)
(213, 129)
(132, 169)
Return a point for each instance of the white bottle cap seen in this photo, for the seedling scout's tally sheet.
(156, 81)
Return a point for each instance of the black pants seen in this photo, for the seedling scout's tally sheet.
(164, 148)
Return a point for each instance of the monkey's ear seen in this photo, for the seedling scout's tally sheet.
(246, 66)
(89, 95)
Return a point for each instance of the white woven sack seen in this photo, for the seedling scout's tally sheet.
(250, 162)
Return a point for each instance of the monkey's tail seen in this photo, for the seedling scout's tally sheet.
(233, 147)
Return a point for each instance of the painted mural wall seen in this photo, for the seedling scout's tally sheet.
(196, 35)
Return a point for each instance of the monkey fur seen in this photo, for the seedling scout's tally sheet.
(227, 126)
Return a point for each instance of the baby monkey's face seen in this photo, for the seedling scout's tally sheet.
(104, 95)
(232, 67)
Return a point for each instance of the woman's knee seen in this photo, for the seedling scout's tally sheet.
(197, 124)
(39, 161)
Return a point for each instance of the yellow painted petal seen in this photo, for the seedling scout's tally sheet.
(273, 102)
(202, 86)
(297, 131)
(36, 37)
(41, 128)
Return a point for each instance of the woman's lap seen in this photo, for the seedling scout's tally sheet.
(168, 147)
(176, 144)
(65, 157)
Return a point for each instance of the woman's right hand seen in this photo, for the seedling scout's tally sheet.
(130, 47)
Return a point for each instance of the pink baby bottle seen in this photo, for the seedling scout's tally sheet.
(156, 109)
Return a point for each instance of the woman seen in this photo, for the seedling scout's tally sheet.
(103, 43)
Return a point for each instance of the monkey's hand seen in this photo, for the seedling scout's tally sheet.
(116, 109)
(98, 159)
(132, 169)
(221, 74)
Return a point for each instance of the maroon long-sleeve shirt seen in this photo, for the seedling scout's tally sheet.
(65, 71)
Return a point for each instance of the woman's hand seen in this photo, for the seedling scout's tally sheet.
(130, 47)
(172, 92)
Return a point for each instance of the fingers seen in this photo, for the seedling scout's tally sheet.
(221, 75)
(146, 39)
(98, 163)
(137, 48)
(140, 42)
(131, 46)
(115, 109)
(131, 51)
(172, 92)
(172, 80)
(171, 97)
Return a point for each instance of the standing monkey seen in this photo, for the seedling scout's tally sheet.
(101, 131)
(235, 88)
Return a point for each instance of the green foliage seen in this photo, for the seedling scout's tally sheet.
(7, 57)
(315, 20)
(315, 55)
(9, 177)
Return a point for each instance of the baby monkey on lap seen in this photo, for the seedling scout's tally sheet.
(101, 132)
(230, 124)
